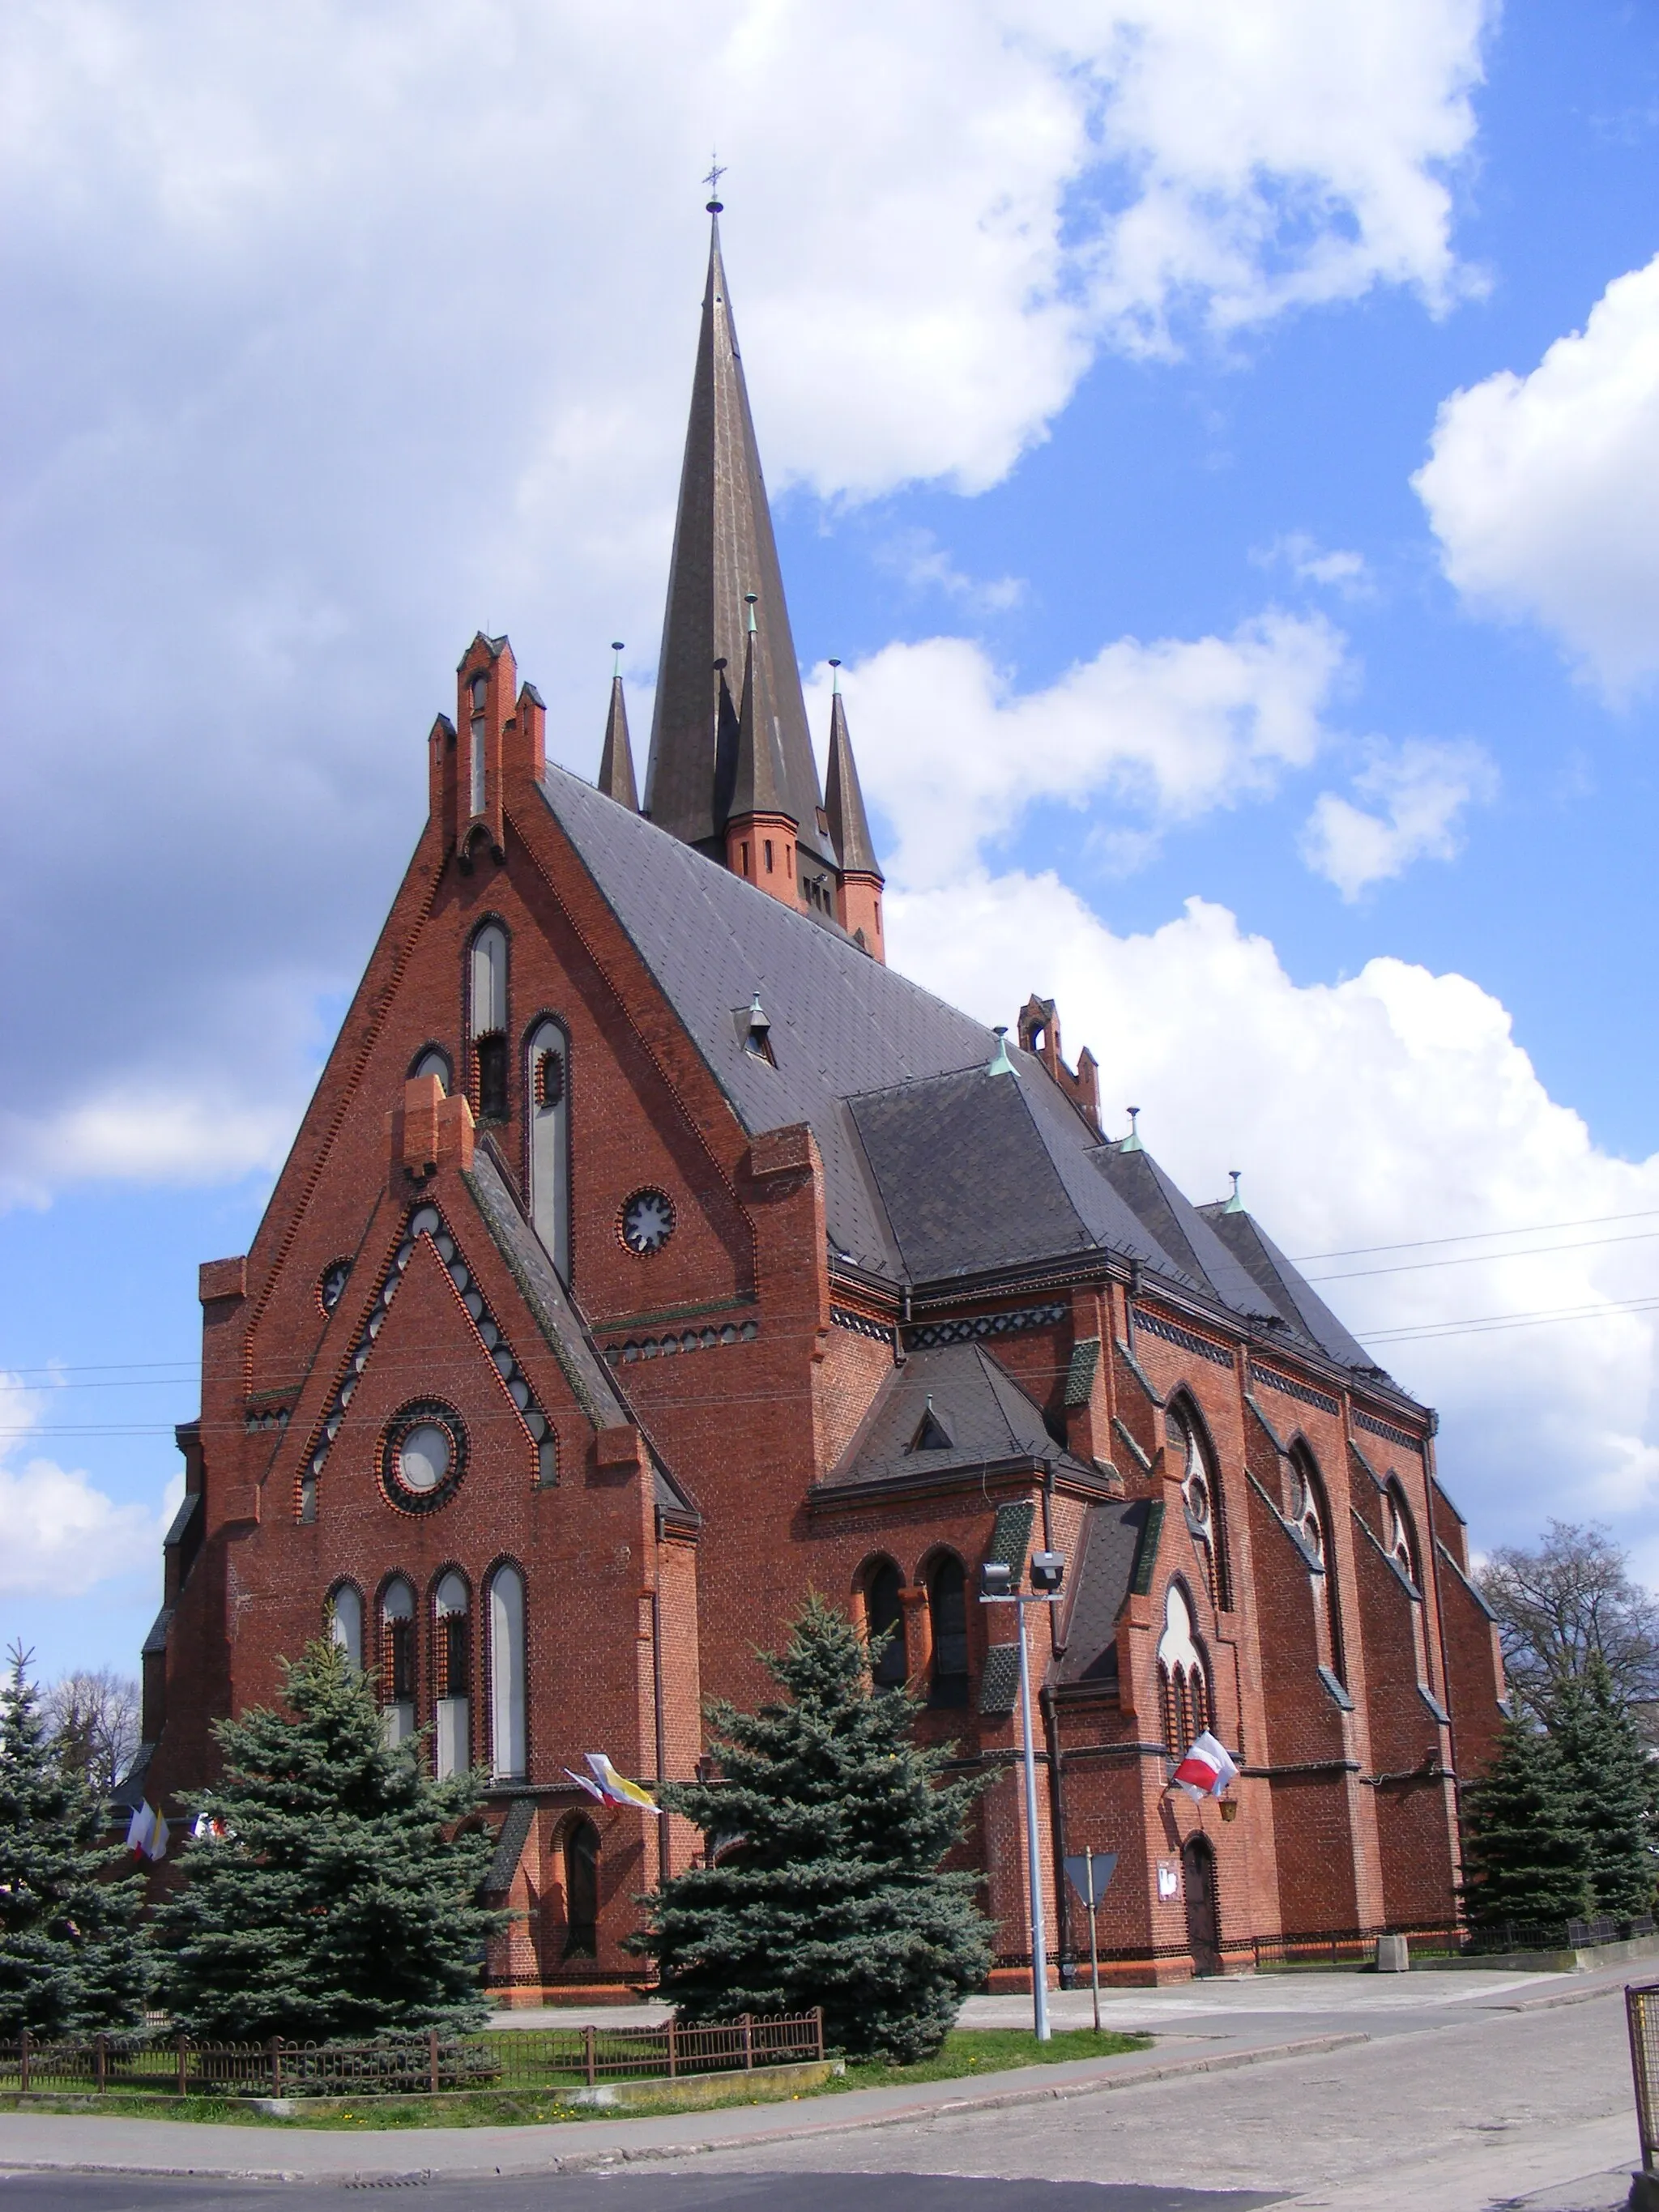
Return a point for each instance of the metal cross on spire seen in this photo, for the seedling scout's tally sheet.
(712, 181)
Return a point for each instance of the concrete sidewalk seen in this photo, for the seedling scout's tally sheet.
(62, 2142)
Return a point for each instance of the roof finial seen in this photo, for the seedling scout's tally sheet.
(1235, 1204)
(749, 599)
(715, 204)
(617, 648)
(1000, 1063)
(834, 681)
(1132, 1143)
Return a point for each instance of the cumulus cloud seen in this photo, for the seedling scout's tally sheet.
(1542, 488)
(1418, 791)
(1395, 1104)
(1336, 568)
(337, 332)
(954, 755)
(64, 1535)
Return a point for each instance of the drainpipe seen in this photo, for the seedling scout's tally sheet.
(656, 1701)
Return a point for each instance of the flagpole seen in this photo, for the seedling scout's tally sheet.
(1039, 1941)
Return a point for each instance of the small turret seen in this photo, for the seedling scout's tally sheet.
(858, 900)
(761, 827)
(617, 756)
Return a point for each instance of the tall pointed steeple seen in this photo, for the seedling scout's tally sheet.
(616, 758)
(859, 899)
(723, 548)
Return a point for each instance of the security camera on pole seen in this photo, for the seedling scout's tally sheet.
(997, 1588)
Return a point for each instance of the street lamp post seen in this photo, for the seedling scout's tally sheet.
(997, 1588)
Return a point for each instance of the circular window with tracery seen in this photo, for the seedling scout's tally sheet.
(423, 1456)
(646, 1221)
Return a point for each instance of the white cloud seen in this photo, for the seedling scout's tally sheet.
(1335, 567)
(954, 755)
(924, 565)
(1395, 1104)
(1421, 789)
(336, 332)
(64, 1536)
(1542, 488)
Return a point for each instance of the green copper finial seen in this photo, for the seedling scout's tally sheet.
(617, 648)
(834, 681)
(1132, 1143)
(1235, 1204)
(1000, 1063)
(749, 599)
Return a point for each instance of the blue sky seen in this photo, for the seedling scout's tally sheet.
(1094, 358)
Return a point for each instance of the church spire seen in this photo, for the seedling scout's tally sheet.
(616, 759)
(859, 899)
(761, 826)
(723, 548)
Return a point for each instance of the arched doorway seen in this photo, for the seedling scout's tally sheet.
(581, 1890)
(1203, 1921)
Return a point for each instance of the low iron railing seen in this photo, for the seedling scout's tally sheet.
(510, 2060)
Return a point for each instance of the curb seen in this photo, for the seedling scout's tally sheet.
(1221, 2061)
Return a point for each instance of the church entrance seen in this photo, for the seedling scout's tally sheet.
(1203, 1923)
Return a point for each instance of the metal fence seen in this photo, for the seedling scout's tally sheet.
(1556, 1935)
(509, 2060)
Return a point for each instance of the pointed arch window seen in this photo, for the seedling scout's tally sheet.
(884, 1615)
(452, 1743)
(1401, 1546)
(1183, 1679)
(476, 792)
(487, 1017)
(548, 1089)
(580, 1854)
(397, 1661)
(345, 1624)
(1310, 1517)
(947, 1611)
(1201, 1494)
(507, 1674)
(433, 1061)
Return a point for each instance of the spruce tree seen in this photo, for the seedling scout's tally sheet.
(832, 1826)
(1592, 1728)
(70, 1959)
(1524, 1855)
(335, 1905)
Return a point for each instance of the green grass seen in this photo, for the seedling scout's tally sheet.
(966, 2053)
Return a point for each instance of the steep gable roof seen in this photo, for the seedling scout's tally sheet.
(957, 1391)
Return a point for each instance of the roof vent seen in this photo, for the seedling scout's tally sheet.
(1000, 1064)
(1132, 1143)
(932, 1434)
(756, 1031)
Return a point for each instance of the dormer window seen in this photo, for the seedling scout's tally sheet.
(756, 1031)
(930, 1434)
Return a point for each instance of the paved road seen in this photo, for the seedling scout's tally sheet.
(1470, 2092)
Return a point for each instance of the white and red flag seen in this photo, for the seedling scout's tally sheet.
(147, 1833)
(1206, 1769)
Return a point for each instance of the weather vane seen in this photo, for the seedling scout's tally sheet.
(712, 181)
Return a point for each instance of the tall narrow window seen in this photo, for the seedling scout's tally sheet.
(884, 1613)
(549, 1091)
(487, 1016)
(581, 1890)
(345, 1624)
(1403, 1550)
(453, 1744)
(397, 1661)
(1312, 1521)
(947, 1607)
(507, 1674)
(480, 694)
(1201, 1497)
(1182, 1680)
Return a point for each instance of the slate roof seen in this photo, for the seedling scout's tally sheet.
(933, 1168)
(982, 1412)
(1112, 1536)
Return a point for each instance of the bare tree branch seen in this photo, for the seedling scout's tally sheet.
(1571, 1599)
(93, 1718)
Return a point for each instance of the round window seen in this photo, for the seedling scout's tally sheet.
(331, 1287)
(423, 1456)
(647, 1221)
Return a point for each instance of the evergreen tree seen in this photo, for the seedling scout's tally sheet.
(70, 1959)
(1524, 1855)
(828, 1890)
(1592, 1730)
(334, 1903)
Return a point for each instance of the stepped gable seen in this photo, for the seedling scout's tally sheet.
(1180, 1228)
(1290, 1296)
(975, 1413)
(724, 548)
(1101, 1575)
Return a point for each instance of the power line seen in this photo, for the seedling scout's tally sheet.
(1474, 1259)
(1481, 1324)
(1470, 1235)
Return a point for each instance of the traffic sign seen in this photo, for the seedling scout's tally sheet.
(1091, 1873)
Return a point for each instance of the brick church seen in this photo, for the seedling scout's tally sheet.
(653, 1253)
